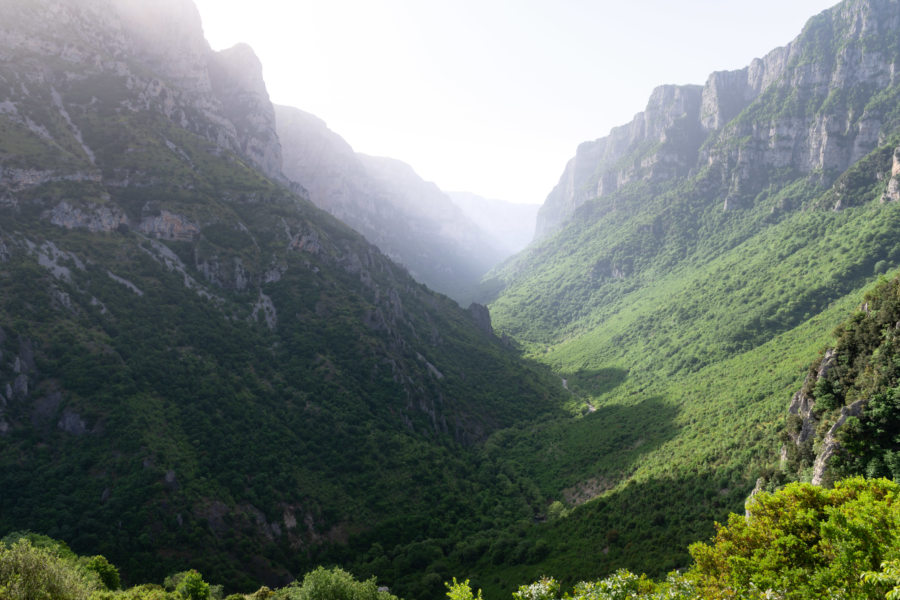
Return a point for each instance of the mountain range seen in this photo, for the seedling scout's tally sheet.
(220, 348)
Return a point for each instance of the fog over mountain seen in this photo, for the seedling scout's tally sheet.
(511, 225)
(409, 219)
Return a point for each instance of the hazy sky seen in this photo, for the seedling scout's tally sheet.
(492, 96)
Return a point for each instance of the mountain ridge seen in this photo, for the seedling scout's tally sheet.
(680, 133)
(411, 220)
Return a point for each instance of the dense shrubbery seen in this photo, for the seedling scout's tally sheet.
(801, 543)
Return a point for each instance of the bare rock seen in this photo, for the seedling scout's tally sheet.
(482, 317)
(830, 445)
(892, 193)
(756, 489)
(94, 219)
(71, 422)
(20, 387)
(169, 226)
(265, 308)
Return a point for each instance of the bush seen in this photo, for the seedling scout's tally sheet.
(333, 584)
(107, 573)
(192, 587)
(30, 573)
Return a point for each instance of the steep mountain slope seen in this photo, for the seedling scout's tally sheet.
(716, 241)
(512, 225)
(409, 219)
(197, 366)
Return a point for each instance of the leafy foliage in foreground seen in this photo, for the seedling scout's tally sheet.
(801, 543)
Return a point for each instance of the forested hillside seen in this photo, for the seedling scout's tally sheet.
(691, 266)
(410, 220)
(197, 366)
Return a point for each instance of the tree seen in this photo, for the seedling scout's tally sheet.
(192, 586)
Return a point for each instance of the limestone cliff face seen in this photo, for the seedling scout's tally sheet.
(143, 56)
(660, 143)
(237, 81)
(816, 105)
(409, 219)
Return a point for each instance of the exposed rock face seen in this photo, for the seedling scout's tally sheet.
(72, 423)
(830, 445)
(892, 193)
(482, 317)
(660, 143)
(169, 226)
(803, 404)
(803, 108)
(236, 76)
(409, 219)
(220, 96)
(96, 218)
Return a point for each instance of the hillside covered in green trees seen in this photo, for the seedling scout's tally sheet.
(199, 368)
(802, 542)
(692, 265)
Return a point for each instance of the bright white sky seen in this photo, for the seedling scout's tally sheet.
(492, 96)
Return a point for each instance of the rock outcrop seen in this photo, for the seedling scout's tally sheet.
(237, 81)
(660, 143)
(220, 96)
(482, 317)
(830, 444)
(892, 193)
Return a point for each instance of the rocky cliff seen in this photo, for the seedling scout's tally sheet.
(844, 420)
(813, 107)
(131, 56)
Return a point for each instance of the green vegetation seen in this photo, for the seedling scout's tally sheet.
(803, 542)
(201, 370)
(202, 375)
(861, 368)
(682, 330)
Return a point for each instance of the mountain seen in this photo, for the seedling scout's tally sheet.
(511, 224)
(409, 219)
(198, 367)
(689, 267)
(815, 106)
